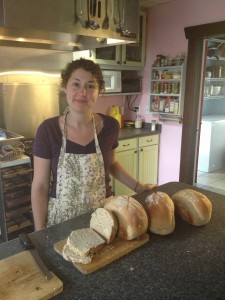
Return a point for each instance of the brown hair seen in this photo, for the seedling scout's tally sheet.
(87, 65)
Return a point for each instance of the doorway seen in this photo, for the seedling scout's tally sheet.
(196, 35)
(210, 173)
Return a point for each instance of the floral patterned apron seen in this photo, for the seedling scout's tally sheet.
(80, 183)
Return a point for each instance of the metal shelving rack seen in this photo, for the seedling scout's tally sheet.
(15, 204)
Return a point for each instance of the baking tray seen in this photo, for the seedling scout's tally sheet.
(12, 139)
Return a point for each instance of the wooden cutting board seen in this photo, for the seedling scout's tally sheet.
(108, 254)
(21, 278)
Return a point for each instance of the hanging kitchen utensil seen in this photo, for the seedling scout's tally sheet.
(122, 19)
(92, 7)
(115, 24)
(84, 23)
(105, 24)
(99, 8)
(75, 11)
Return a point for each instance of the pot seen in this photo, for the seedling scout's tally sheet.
(214, 52)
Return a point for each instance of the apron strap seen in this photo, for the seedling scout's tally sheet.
(97, 147)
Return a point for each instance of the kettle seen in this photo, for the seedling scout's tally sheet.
(115, 113)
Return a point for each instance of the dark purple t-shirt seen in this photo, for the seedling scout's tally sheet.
(48, 142)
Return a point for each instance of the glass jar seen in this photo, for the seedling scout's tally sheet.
(175, 88)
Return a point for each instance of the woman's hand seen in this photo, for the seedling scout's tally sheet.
(140, 187)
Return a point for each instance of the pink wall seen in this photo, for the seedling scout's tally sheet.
(165, 35)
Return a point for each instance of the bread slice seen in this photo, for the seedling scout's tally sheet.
(85, 241)
(160, 211)
(104, 223)
(69, 255)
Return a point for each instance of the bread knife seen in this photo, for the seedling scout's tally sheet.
(28, 245)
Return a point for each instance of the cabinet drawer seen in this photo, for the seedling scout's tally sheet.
(148, 140)
(127, 145)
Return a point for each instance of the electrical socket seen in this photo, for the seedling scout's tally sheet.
(147, 109)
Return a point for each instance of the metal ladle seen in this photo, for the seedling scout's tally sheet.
(115, 23)
(105, 24)
(92, 24)
(84, 23)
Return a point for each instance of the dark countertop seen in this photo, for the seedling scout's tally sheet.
(128, 133)
(187, 264)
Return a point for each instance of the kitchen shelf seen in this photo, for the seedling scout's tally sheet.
(215, 79)
(214, 97)
(165, 95)
(167, 92)
(120, 94)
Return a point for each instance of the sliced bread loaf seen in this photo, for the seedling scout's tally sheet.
(104, 223)
(85, 241)
(69, 255)
(131, 215)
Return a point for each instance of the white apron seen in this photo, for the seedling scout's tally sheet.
(80, 183)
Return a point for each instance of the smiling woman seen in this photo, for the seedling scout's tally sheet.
(74, 154)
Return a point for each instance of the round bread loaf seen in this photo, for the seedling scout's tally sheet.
(192, 206)
(104, 223)
(160, 211)
(131, 216)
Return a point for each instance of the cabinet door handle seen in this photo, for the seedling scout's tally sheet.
(135, 151)
(126, 145)
(142, 149)
(149, 141)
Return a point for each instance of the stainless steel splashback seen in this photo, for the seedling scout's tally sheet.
(24, 106)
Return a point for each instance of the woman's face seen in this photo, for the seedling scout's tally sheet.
(81, 91)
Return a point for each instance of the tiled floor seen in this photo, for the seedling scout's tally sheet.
(214, 181)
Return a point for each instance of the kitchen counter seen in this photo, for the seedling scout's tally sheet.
(128, 133)
(187, 264)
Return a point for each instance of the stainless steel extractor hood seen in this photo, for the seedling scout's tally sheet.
(67, 25)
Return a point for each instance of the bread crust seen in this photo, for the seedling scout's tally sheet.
(160, 211)
(193, 207)
(104, 223)
(131, 215)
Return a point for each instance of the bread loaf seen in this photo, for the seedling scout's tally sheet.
(82, 244)
(160, 211)
(131, 216)
(104, 223)
(192, 206)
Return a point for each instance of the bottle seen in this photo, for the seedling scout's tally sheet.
(138, 121)
(118, 118)
(153, 125)
(122, 116)
(167, 104)
(176, 107)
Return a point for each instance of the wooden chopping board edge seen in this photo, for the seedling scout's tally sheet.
(21, 278)
(108, 254)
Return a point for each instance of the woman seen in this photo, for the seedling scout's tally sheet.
(74, 154)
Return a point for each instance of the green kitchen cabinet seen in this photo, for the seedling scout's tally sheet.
(139, 156)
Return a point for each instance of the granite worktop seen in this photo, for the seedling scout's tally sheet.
(187, 264)
(128, 133)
